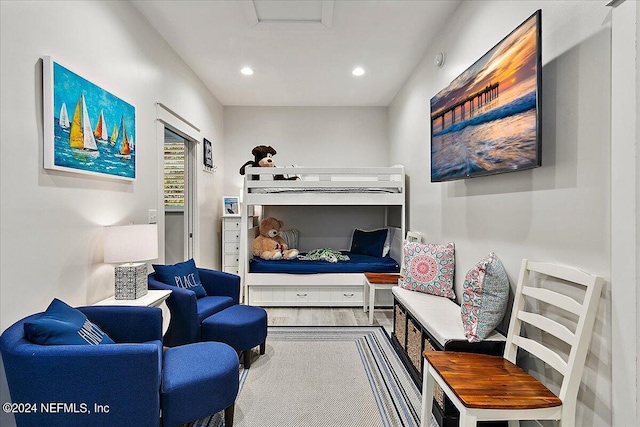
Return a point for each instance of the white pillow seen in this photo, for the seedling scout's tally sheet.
(387, 244)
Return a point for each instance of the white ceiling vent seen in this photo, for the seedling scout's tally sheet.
(316, 14)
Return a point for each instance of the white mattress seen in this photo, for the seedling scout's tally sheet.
(439, 315)
(272, 190)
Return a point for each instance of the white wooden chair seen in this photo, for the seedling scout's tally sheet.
(491, 388)
(414, 236)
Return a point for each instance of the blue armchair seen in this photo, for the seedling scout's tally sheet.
(126, 383)
(188, 312)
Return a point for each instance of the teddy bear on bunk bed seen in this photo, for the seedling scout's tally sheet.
(269, 244)
(263, 158)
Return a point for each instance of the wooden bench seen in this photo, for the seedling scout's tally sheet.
(428, 322)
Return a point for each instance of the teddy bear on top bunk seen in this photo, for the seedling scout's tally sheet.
(263, 158)
(269, 244)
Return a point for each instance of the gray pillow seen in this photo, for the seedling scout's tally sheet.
(290, 238)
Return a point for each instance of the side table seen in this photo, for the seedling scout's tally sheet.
(373, 281)
(153, 298)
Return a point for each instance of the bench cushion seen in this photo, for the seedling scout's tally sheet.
(439, 315)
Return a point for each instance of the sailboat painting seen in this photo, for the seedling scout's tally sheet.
(101, 130)
(81, 137)
(122, 143)
(114, 135)
(63, 120)
(77, 117)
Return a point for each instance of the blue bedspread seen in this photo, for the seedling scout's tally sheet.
(357, 264)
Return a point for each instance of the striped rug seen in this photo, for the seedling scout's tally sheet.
(325, 376)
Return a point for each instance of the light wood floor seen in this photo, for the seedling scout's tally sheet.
(328, 316)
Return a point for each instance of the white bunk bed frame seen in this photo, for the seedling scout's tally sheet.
(371, 186)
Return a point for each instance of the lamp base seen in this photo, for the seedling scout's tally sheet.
(131, 281)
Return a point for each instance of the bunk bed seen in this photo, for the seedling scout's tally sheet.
(371, 186)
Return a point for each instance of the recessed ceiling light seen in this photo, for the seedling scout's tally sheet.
(247, 71)
(358, 71)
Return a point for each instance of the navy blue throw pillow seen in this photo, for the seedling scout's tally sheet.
(61, 324)
(369, 242)
(182, 275)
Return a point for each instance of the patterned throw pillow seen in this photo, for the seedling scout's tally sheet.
(62, 324)
(182, 275)
(429, 268)
(484, 298)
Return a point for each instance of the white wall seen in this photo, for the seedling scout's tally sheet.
(310, 136)
(52, 221)
(558, 213)
(304, 136)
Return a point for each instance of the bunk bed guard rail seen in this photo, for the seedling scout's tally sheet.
(357, 179)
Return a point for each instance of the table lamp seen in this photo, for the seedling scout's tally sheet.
(130, 244)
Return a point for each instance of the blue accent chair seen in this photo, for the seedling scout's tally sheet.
(122, 384)
(217, 317)
(188, 312)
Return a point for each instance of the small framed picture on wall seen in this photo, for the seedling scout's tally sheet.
(208, 156)
(231, 205)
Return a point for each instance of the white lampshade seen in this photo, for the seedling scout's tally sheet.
(130, 243)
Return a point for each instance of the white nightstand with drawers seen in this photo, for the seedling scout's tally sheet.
(230, 243)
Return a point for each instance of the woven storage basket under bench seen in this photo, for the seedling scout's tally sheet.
(426, 322)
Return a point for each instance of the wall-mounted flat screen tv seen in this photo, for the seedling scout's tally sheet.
(487, 121)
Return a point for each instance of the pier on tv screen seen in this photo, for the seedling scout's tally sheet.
(487, 121)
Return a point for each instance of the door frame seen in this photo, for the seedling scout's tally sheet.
(625, 223)
(167, 118)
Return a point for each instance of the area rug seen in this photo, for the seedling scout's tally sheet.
(325, 376)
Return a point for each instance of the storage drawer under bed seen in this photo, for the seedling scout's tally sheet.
(306, 295)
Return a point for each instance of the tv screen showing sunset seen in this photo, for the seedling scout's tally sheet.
(486, 120)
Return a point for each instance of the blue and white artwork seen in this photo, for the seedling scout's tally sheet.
(87, 129)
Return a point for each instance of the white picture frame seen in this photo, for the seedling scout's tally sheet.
(230, 205)
(96, 137)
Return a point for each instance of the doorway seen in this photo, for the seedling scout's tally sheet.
(178, 196)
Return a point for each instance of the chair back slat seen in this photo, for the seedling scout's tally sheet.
(526, 309)
(548, 325)
(584, 330)
(568, 274)
(550, 297)
(543, 353)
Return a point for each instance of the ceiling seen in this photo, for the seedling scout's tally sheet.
(302, 51)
